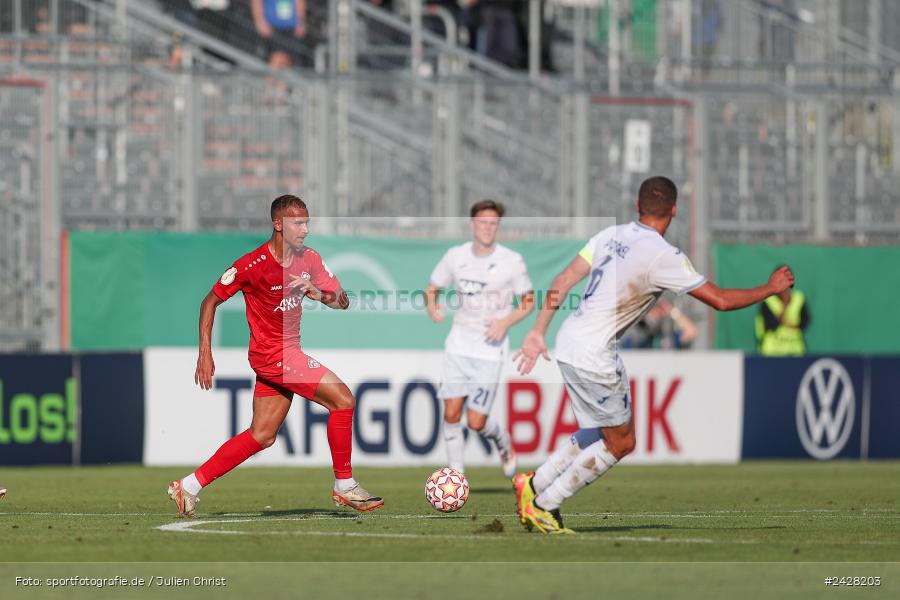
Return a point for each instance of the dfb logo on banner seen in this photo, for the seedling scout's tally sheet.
(826, 406)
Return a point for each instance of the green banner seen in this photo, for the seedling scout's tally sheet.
(136, 289)
(851, 294)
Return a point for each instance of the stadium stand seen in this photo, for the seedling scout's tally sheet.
(783, 129)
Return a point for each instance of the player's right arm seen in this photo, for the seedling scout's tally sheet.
(735, 298)
(232, 281)
(435, 310)
(441, 277)
(534, 344)
(206, 367)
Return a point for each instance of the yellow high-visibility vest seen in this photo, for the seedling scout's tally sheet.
(787, 338)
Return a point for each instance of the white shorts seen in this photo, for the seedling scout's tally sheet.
(474, 378)
(597, 404)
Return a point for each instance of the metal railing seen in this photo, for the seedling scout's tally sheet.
(143, 141)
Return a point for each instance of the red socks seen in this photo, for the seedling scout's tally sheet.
(243, 446)
(231, 454)
(340, 440)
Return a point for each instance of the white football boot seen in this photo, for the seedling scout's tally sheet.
(185, 501)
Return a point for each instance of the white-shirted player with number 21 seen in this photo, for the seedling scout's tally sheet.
(487, 278)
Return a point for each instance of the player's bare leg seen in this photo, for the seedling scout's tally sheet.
(491, 430)
(453, 432)
(334, 395)
(268, 415)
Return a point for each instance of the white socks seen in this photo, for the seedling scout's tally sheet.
(342, 485)
(588, 466)
(560, 460)
(453, 437)
(494, 432)
(191, 485)
(555, 466)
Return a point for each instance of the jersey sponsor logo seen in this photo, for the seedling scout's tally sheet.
(470, 287)
(289, 303)
(313, 363)
(826, 407)
(228, 276)
(276, 287)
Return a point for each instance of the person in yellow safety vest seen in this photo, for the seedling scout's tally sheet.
(780, 324)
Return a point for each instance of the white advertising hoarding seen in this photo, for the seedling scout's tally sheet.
(687, 409)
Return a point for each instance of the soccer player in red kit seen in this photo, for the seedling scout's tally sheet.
(275, 278)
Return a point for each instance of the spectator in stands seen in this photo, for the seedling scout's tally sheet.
(281, 24)
(709, 30)
(547, 17)
(781, 324)
(776, 30)
(212, 17)
(663, 327)
(381, 39)
(499, 35)
(434, 23)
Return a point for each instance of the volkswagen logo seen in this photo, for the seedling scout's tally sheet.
(826, 407)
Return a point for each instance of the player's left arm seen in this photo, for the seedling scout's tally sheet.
(322, 286)
(497, 328)
(337, 298)
(534, 344)
(734, 298)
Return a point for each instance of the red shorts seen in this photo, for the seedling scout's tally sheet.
(297, 373)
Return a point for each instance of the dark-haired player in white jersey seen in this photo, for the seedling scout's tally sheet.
(487, 278)
(629, 266)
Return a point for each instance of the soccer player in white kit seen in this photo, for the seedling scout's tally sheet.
(629, 267)
(487, 277)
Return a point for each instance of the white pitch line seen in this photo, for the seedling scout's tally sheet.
(188, 526)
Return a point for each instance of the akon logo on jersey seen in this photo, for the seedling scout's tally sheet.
(289, 303)
(470, 287)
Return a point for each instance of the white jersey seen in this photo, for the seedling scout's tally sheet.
(631, 266)
(485, 289)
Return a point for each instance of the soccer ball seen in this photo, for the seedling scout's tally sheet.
(446, 490)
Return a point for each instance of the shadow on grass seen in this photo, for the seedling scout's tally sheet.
(320, 512)
(493, 490)
(625, 528)
(289, 512)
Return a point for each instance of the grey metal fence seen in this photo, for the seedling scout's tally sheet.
(25, 304)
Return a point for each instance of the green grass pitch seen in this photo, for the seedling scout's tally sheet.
(803, 514)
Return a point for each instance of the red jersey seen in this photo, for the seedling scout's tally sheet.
(273, 309)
